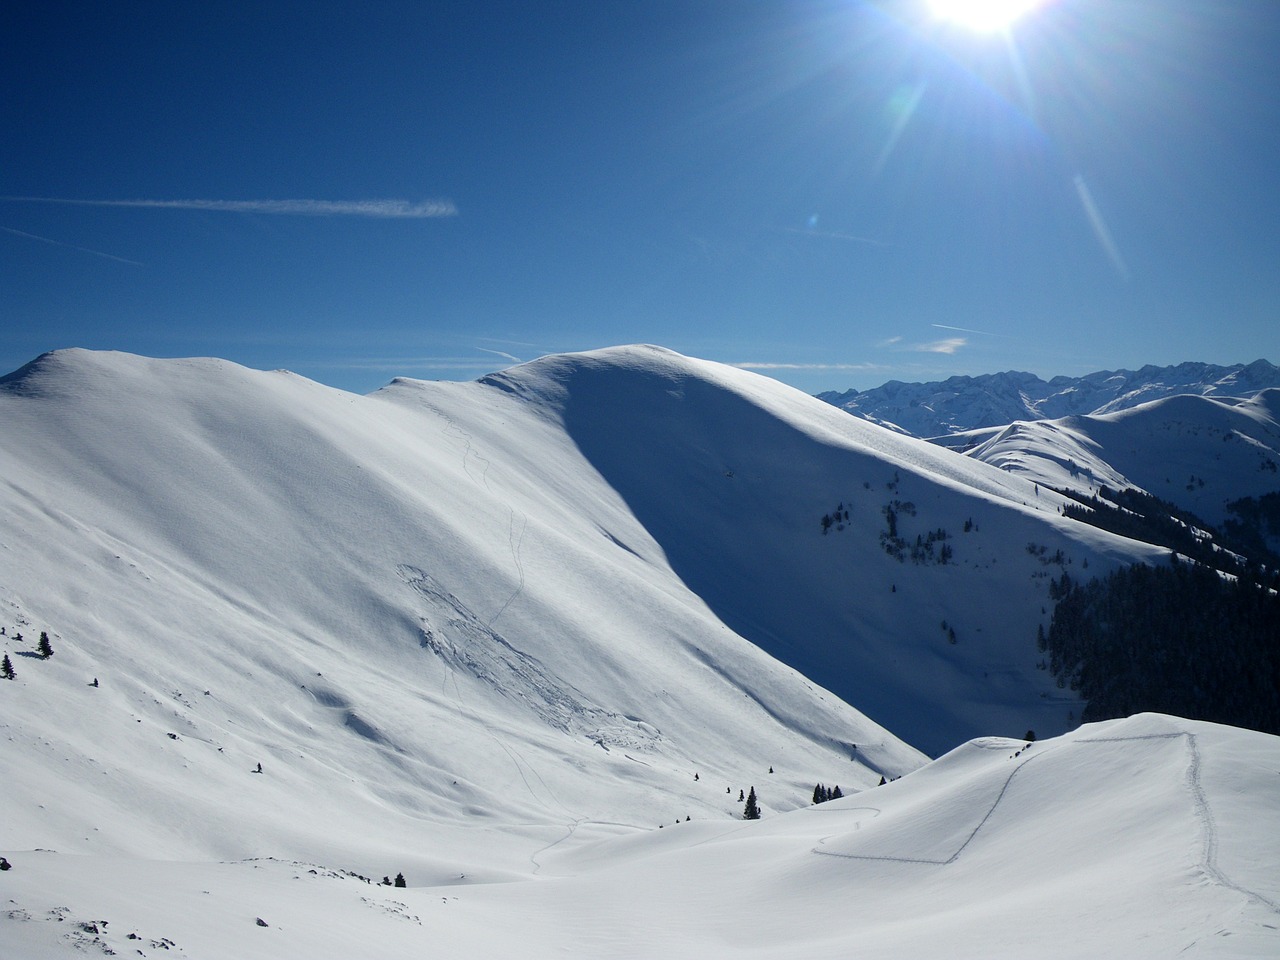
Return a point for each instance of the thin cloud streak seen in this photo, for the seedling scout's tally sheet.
(71, 246)
(376, 209)
(981, 333)
(501, 353)
(835, 235)
(948, 346)
(768, 365)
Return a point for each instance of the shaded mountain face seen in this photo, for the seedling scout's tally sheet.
(970, 403)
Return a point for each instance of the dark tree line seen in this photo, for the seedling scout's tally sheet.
(823, 793)
(1140, 516)
(1179, 639)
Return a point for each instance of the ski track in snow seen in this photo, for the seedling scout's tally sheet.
(1208, 856)
(521, 764)
(515, 542)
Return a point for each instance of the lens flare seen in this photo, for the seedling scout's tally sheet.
(984, 16)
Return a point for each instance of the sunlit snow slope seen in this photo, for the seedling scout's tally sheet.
(1145, 838)
(417, 607)
(1197, 452)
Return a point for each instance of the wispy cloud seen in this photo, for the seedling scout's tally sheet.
(501, 353)
(950, 345)
(71, 246)
(377, 209)
(771, 365)
(402, 364)
(836, 235)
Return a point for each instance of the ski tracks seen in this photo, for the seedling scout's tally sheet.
(476, 467)
(1207, 856)
(1209, 829)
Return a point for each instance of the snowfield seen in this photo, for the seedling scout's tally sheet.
(526, 640)
(1145, 838)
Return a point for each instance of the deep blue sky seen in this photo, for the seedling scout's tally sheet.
(839, 192)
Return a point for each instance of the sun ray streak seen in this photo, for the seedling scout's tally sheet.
(904, 104)
(1105, 240)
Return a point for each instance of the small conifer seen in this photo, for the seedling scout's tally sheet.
(6, 668)
(752, 809)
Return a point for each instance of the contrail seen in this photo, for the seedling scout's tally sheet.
(380, 209)
(59, 243)
(947, 326)
(836, 235)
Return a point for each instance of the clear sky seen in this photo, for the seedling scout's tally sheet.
(834, 192)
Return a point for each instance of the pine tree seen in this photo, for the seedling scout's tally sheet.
(400, 882)
(44, 649)
(836, 794)
(6, 668)
(752, 809)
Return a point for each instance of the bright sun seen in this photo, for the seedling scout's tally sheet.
(986, 16)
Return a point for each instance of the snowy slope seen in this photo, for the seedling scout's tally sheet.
(409, 614)
(495, 635)
(993, 400)
(1196, 452)
(1144, 838)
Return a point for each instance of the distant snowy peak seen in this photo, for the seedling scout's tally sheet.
(971, 403)
(1198, 452)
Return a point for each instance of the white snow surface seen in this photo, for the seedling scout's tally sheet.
(1150, 837)
(494, 635)
(1197, 452)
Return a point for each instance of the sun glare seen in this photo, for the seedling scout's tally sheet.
(984, 16)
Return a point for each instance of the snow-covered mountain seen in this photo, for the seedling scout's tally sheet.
(1197, 452)
(992, 400)
(504, 630)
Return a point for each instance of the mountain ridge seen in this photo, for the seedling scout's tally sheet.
(962, 403)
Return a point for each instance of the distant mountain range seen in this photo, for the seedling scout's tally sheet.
(970, 403)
